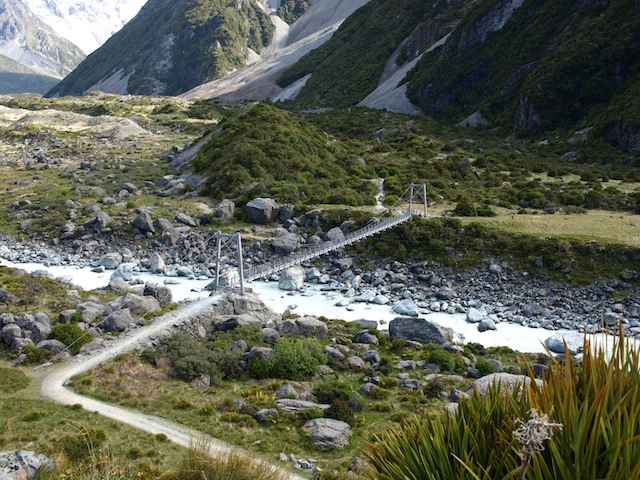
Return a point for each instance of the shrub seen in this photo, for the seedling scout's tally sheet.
(433, 387)
(294, 359)
(327, 392)
(485, 367)
(340, 410)
(442, 358)
(465, 208)
(83, 444)
(71, 335)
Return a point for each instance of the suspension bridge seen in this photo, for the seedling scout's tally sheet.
(416, 193)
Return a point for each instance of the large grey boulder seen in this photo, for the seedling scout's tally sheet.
(474, 315)
(574, 341)
(110, 260)
(10, 332)
(137, 304)
(286, 243)
(262, 210)
(39, 331)
(144, 223)
(303, 327)
(226, 210)
(507, 381)
(90, 312)
(160, 292)
(293, 405)
(261, 353)
(487, 324)
(124, 271)
(185, 219)
(419, 329)
(335, 235)
(7, 297)
(328, 432)
(291, 279)
(53, 346)
(231, 322)
(117, 322)
(235, 304)
(156, 263)
(24, 464)
(406, 307)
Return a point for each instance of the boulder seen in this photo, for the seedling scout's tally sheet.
(119, 285)
(356, 363)
(507, 381)
(185, 219)
(160, 292)
(446, 293)
(293, 405)
(226, 210)
(287, 391)
(287, 211)
(144, 223)
(24, 464)
(286, 244)
(364, 336)
(262, 211)
(137, 304)
(265, 414)
(303, 327)
(90, 312)
(419, 329)
(10, 332)
(474, 315)
(263, 353)
(124, 271)
(8, 298)
(328, 432)
(335, 235)
(291, 279)
(53, 346)
(39, 331)
(231, 322)
(156, 263)
(333, 353)
(406, 307)
(486, 324)
(118, 321)
(574, 341)
(110, 260)
(236, 304)
(371, 356)
(163, 224)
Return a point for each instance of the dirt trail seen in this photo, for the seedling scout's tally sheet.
(54, 380)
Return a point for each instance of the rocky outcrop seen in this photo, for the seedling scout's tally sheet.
(24, 464)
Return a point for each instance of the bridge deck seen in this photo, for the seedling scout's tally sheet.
(326, 247)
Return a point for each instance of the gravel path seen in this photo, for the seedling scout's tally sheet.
(53, 383)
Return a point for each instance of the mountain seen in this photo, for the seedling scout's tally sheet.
(87, 24)
(171, 47)
(34, 56)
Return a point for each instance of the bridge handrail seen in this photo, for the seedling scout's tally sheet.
(326, 247)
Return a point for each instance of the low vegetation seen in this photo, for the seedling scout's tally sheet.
(567, 436)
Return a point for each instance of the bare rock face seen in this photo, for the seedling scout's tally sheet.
(262, 210)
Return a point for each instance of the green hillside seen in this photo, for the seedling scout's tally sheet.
(265, 151)
(170, 47)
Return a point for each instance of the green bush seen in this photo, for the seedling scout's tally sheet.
(443, 358)
(485, 367)
(71, 335)
(340, 410)
(465, 208)
(294, 359)
(83, 444)
(327, 392)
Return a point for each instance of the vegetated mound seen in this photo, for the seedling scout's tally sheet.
(264, 151)
(171, 47)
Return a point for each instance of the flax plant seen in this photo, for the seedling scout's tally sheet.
(596, 400)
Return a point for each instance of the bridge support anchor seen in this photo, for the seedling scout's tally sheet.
(224, 240)
(418, 192)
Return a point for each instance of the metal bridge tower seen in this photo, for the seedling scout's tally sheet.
(418, 192)
(226, 240)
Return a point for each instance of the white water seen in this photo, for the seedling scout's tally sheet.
(316, 301)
